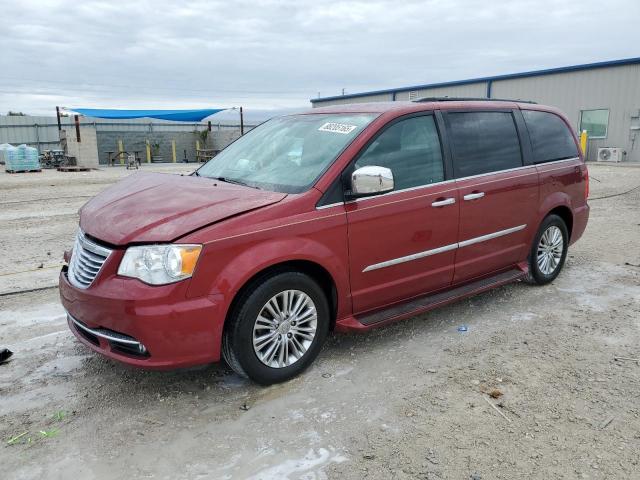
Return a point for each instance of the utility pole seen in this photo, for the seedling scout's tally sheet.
(58, 115)
(241, 123)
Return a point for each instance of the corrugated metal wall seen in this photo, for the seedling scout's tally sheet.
(363, 99)
(469, 90)
(616, 88)
(33, 131)
(613, 88)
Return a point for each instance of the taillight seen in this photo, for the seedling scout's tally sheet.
(586, 183)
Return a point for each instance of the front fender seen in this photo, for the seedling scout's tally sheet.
(222, 272)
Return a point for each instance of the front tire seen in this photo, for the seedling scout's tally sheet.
(277, 328)
(548, 251)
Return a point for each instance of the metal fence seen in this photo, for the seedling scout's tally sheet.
(170, 140)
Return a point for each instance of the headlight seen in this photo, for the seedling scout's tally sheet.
(160, 264)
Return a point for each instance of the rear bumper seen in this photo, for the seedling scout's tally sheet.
(580, 220)
(144, 326)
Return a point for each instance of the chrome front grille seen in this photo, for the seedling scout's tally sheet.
(86, 261)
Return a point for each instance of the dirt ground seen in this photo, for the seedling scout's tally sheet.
(402, 402)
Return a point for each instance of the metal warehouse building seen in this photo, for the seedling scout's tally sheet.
(602, 98)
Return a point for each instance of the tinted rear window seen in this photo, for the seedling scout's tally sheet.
(483, 142)
(550, 137)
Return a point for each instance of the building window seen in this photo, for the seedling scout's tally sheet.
(595, 122)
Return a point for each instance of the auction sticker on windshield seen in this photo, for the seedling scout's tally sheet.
(337, 128)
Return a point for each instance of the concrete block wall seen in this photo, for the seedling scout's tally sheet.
(85, 151)
(185, 143)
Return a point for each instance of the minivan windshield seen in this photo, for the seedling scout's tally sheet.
(286, 154)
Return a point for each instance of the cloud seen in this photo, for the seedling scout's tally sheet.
(274, 54)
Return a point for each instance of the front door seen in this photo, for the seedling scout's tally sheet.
(403, 243)
(498, 194)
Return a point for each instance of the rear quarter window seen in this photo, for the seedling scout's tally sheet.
(550, 137)
(483, 142)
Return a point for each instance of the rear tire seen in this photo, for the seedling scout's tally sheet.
(548, 251)
(277, 328)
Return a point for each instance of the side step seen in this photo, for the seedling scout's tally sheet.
(422, 304)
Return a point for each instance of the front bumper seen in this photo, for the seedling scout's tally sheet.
(155, 327)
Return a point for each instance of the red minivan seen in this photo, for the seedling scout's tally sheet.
(340, 218)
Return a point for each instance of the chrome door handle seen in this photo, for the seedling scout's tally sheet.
(474, 196)
(442, 203)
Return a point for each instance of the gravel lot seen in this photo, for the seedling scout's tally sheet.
(407, 401)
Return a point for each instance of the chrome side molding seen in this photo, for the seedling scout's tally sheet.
(445, 248)
(491, 236)
(409, 258)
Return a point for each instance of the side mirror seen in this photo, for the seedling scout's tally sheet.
(371, 180)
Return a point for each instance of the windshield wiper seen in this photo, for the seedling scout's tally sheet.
(196, 173)
(234, 181)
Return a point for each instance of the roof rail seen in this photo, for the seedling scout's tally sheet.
(461, 99)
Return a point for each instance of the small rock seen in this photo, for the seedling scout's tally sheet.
(495, 393)
(368, 456)
(431, 370)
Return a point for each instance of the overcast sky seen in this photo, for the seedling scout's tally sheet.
(276, 55)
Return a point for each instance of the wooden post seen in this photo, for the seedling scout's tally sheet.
(173, 151)
(241, 123)
(77, 121)
(148, 145)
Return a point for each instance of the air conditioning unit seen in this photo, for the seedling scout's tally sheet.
(610, 154)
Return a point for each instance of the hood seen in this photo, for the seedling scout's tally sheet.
(158, 207)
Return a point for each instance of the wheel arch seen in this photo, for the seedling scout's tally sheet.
(565, 214)
(313, 269)
(557, 203)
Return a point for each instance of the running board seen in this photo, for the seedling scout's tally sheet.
(422, 304)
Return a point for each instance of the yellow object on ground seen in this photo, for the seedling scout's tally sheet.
(173, 150)
(583, 142)
(148, 152)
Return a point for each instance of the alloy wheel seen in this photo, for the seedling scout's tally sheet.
(285, 328)
(550, 250)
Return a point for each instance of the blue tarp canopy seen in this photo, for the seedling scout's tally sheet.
(174, 115)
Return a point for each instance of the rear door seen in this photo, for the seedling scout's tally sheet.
(402, 244)
(498, 192)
